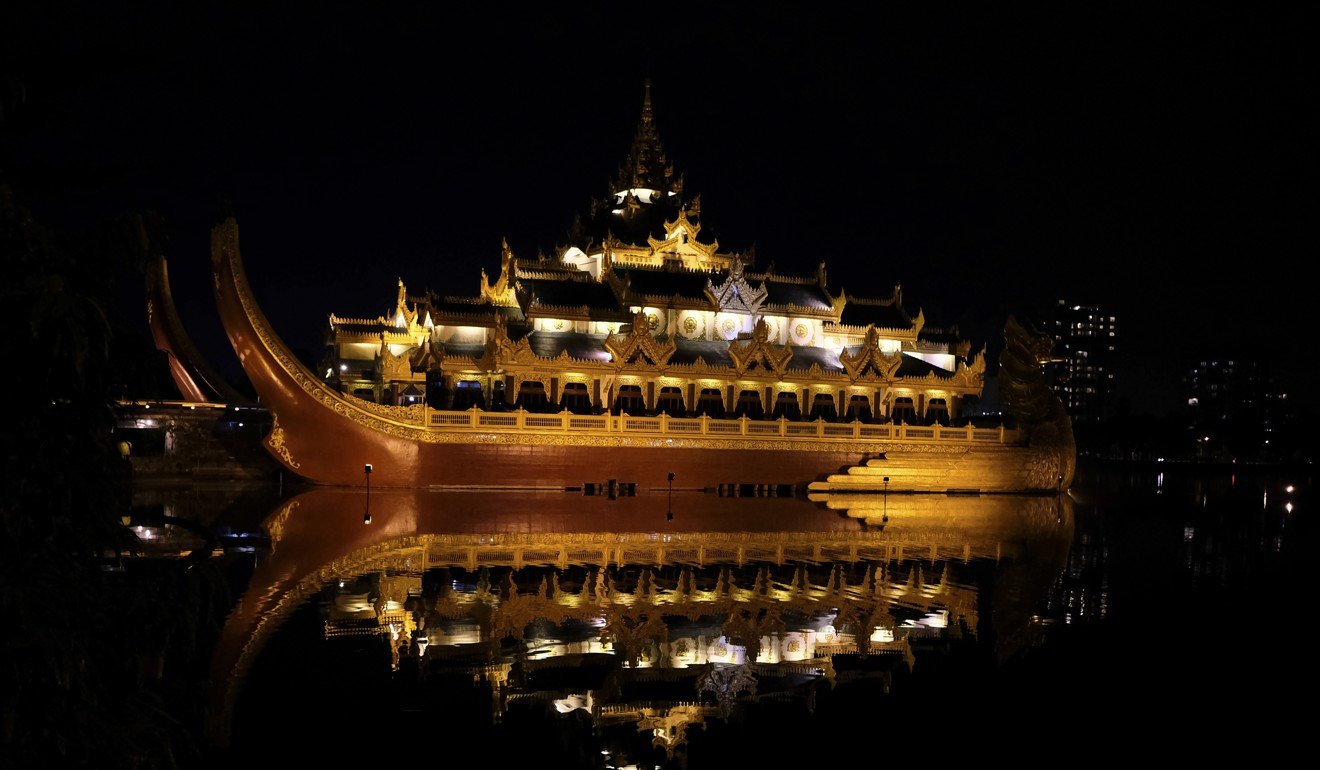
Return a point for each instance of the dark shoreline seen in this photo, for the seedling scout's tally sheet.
(1198, 466)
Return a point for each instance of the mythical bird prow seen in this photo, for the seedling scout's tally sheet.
(1028, 397)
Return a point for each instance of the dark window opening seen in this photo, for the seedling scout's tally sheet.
(937, 410)
(904, 411)
(749, 405)
(467, 394)
(787, 406)
(629, 399)
(670, 402)
(498, 401)
(710, 403)
(859, 408)
(575, 398)
(366, 394)
(531, 397)
(436, 393)
(822, 408)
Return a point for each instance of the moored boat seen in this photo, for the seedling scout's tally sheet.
(647, 359)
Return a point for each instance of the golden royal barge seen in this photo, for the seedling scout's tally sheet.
(642, 353)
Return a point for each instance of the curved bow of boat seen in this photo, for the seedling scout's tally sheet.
(192, 373)
(317, 433)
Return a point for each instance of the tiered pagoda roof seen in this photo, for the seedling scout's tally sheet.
(639, 236)
(644, 194)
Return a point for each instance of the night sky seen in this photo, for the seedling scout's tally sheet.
(1161, 165)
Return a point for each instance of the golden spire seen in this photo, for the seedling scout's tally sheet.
(647, 116)
(646, 166)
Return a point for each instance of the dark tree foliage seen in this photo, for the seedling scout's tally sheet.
(104, 658)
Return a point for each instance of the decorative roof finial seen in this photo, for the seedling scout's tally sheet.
(646, 167)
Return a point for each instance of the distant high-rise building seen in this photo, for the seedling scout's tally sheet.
(1235, 408)
(1084, 340)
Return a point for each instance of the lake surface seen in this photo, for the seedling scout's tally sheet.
(1148, 613)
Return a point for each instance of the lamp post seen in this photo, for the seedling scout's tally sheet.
(885, 518)
(366, 516)
(669, 515)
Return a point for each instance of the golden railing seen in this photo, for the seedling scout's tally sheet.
(477, 420)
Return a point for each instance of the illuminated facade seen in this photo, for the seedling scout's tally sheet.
(1085, 340)
(642, 353)
(640, 312)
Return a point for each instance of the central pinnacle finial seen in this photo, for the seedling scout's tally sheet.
(646, 103)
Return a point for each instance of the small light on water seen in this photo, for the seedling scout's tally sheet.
(1288, 507)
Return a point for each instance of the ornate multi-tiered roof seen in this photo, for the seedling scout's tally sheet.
(640, 311)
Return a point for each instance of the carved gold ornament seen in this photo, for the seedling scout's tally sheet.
(276, 443)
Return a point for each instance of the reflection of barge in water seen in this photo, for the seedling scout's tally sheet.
(556, 602)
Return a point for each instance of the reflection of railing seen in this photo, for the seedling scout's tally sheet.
(898, 647)
(664, 425)
(788, 667)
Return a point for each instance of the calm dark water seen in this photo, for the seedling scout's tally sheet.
(1144, 615)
